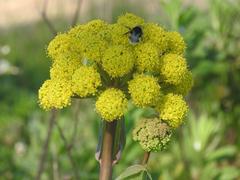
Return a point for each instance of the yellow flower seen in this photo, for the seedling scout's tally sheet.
(118, 61)
(85, 81)
(111, 104)
(64, 68)
(144, 90)
(119, 35)
(97, 27)
(172, 109)
(130, 20)
(64, 47)
(185, 85)
(152, 134)
(147, 57)
(176, 44)
(154, 33)
(92, 38)
(173, 67)
(55, 94)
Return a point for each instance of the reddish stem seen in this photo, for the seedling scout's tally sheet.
(145, 158)
(107, 151)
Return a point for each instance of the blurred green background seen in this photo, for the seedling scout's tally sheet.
(206, 147)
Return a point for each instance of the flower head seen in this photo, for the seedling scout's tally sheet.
(144, 90)
(152, 134)
(64, 47)
(55, 94)
(147, 57)
(85, 81)
(154, 33)
(111, 104)
(184, 86)
(118, 61)
(130, 20)
(119, 35)
(64, 68)
(172, 109)
(173, 68)
(176, 44)
(140, 59)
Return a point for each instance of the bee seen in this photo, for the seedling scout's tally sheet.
(135, 34)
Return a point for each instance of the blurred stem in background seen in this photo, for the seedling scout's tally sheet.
(45, 147)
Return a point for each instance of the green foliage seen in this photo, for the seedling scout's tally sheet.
(135, 172)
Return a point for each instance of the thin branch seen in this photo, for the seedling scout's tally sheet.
(76, 14)
(68, 148)
(76, 121)
(46, 145)
(45, 18)
(145, 158)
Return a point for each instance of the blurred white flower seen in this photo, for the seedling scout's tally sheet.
(7, 68)
(5, 49)
(197, 145)
(20, 148)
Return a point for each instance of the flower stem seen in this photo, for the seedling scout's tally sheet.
(107, 151)
(145, 158)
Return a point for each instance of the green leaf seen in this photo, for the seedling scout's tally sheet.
(223, 152)
(130, 171)
(229, 173)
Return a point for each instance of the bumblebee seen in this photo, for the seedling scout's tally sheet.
(135, 34)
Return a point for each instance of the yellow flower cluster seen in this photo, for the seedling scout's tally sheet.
(147, 57)
(85, 81)
(63, 47)
(111, 104)
(173, 68)
(176, 44)
(144, 90)
(127, 60)
(155, 34)
(64, 68)
(130, 20)
(117, 61)
(172, 109)
(152, 134)
(55, 94)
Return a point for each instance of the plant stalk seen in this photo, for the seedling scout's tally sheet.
(107, 151)
(145, 158)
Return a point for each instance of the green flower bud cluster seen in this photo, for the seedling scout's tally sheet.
(152, 134)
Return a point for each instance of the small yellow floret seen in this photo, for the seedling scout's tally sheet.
(173, 67)
(176, 44)
(144, 90)
(130, 20)
(154, 33)
(55, 94)
(111, 104)
(85, 81)
(63, 46)
(118, 61)
(147, 57)
(172, 109)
